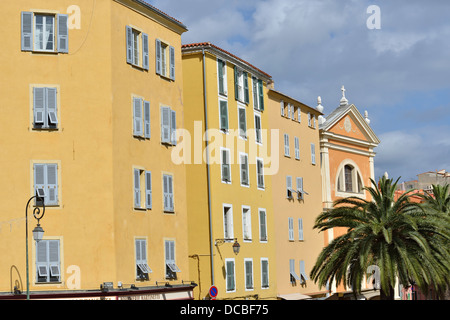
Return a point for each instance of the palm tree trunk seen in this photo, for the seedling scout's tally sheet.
(389, 296)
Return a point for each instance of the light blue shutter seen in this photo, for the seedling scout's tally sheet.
(300, 229)
(302, 270)
(148, 189)
(291, 228)
(165, 124)
(39, 181)
(27, 31)
(173, 127)
(147, 119)
(170, 193)
(52, 184)
(300, 188)
(129, 39)
(53, 259)
(313, 153)
(51, 98)
(39, 105)
(158, 56)
(297, 148)
(63, 33)
(145, 57)
(172, 62)
(246, 91)
(137, 188)
(286, 145)
(261, 95)
(42, 261)
(288, 187)
(137, 116)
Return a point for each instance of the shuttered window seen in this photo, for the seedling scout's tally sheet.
(44, 32)
(244, 169)
(260, 173)
(46, 182)
(262, 225)
(289, 187)
(242, 123)
(45, 108)
(230, 275)
(293, 275)
(168, 126)
(248, 269)
(171, 266)
(297, 148)
(137, 46)
(300, 229)
(168, 193)
(142, 267)
(303, 273)
(313, 153)
(223, 111)
(258, 134)
(291, 228)
(225, 163)
(48, 265)
(286, 145)
(222, 77)
(165, 59)
(264, 273)
(142, 186)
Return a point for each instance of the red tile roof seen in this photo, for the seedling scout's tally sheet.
(209, 44)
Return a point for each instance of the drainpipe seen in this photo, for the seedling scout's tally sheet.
(207, 170)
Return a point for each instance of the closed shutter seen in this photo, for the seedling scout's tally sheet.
(313, 153)
(291, 228)
(300, 229)
(262, 226)
(148, 189)
(165, 124)
(236, 83)
(53, 259)
(261, 95)
(248, 274)
(220, 65)
(172, 62)
(288, 187)
(225, 166)
(51, 98)
(52, 184)
(170, 192)
(230, 275)
(158, 56)
(264, 273)
(246, 91)
(42, 261)
(147, 119)
(242, 123)
(39, 182)
(297, 148)
(145, 57)
(259, 169)
(129, 38)
(173, 127)
(63, 33)
(137, 117)
(137, 188)
(258, 128)
(282, 108)
(223, 115)
(27, 31)
(286, 145)
(39, 105)
(244, 170)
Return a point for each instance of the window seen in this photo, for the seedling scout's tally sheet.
(171, 266)
(242, 123)
(313, 153)
(223, 112)
(260, 173)
(168, 193)
(282, 108)
(46, 183)
(258, 94)
(228, 232)
(222, 76)
(262, 225)
(141, 118)
(300, 229)
(300, 190)
(241, 85)
(248, 270)
(297, 148)
(303, 274)
(291, 228)
(243, 157)
(293, 275)
(230, 275)
(44, 32)
(168, 126)
(299, 115)
(165, 60)
(137, 48)
(309, 119)
(45, 108)
(349, 180)
(264, 273)
(258, 133)
(142, 268)
(48, 262)
(286, 145)
(142, 178)
(225, 164)
(246, 223)
(289, 189)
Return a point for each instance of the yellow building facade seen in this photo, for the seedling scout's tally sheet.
(94, 89)
(229, 188)
(297, 195)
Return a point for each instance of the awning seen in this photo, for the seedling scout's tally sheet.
(294, 296)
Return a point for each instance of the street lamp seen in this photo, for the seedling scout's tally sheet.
(236, 245)
(38, 232)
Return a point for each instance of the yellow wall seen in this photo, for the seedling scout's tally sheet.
(94, 148)
(307, 209)
(221, 193)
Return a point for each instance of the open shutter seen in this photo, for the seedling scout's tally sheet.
(288, 187)
(165, 124)
(299, 188)
(236, 83)
(255, 92)
(173, 127)
(53, 259)
(137, 188)
(172, 62)
(147, 119)
(313, 153)
(27, 31)
(261, 95)
(52, 184)
(39, 182)
(148, 189)
(158, 56)
(246, 91)
(129, 36)
(300, 229)
(63, 33)
(145, 57)
(137, 116)
(223, 115)
(51, 106)
(302, 270)
(39, 105)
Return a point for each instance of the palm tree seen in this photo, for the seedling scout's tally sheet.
(438, 199)
(397, 236)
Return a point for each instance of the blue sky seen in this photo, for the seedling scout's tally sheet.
(399, 73)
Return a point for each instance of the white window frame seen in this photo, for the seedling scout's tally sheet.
(258, 174)
(263, 287)
(48, 268)
(228, 229)
(246, 223)
(227, 273)
(224, 77)
(241, 154)
(261, 240)
(222, 165)
(249, 286)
